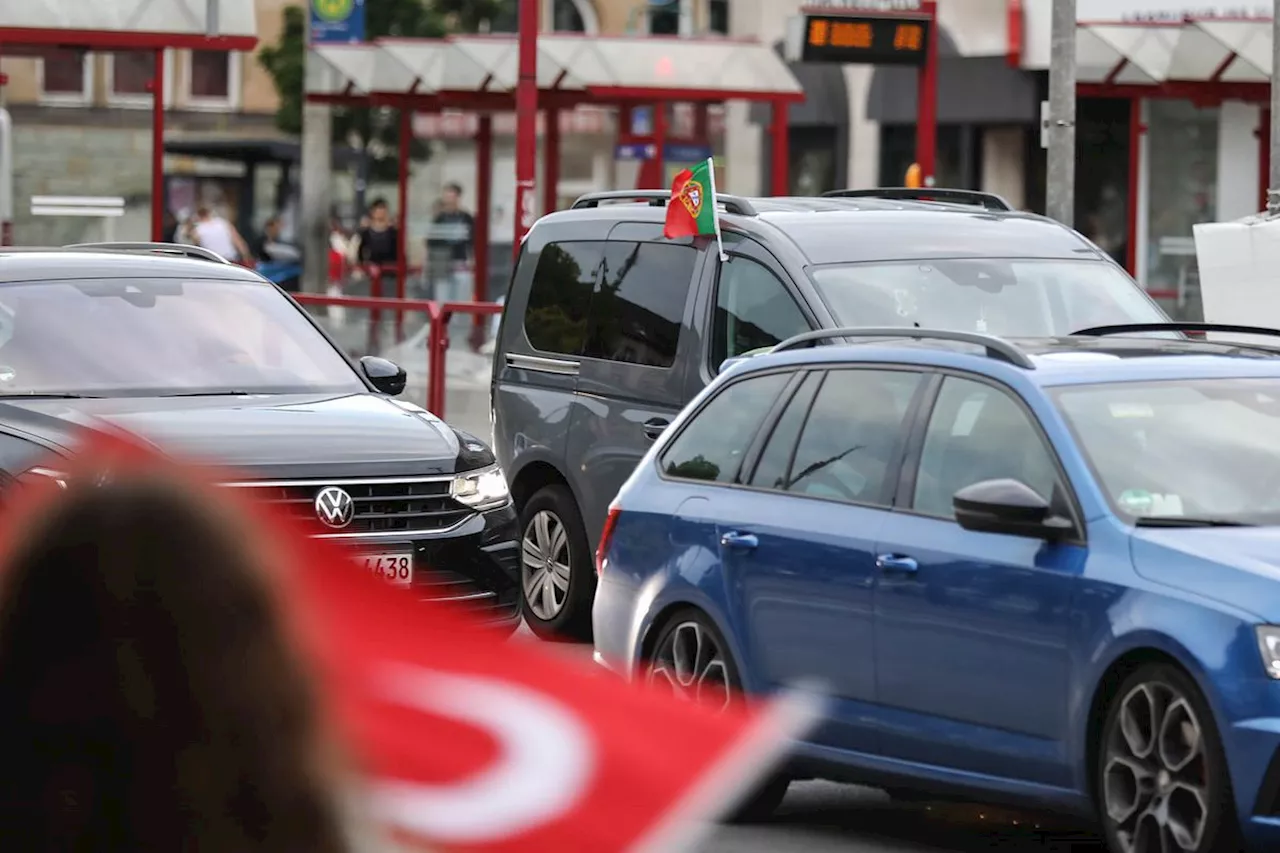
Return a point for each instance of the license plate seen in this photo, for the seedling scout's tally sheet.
(394, 567)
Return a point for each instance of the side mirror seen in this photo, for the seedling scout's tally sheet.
(1009, 507)
(386, 376)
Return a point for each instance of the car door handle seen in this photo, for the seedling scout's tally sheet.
(740, 540)
(653, 428)
(896, 563)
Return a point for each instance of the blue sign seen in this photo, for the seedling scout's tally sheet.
(641, 121)
(685, 152)
(337, 21)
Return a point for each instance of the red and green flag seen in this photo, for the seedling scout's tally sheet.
(692, 211)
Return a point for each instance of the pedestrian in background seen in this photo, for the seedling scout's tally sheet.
(451, 255)
(151, 694)
(378, 244)
(215, 233)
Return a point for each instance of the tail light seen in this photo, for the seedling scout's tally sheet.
(605, 535)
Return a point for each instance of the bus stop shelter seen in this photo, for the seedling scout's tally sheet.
(479, 73)
(43, 28)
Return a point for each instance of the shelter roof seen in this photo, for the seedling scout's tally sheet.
(1229, 50)
(127, 24)
(590, 66)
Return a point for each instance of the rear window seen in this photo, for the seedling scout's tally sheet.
(560, 297)
(639, 307)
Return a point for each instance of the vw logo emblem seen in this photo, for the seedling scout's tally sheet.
(335, 507)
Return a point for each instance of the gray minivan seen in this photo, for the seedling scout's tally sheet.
(610, 329)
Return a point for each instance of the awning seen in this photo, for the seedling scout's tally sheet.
(127, 24)
(1194, 50)
(592, 66)
(261, 150)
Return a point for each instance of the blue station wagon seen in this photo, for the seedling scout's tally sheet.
(1041, 572)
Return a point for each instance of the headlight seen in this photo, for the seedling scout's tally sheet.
(41, 476)
(1269, 644)
(481, 490)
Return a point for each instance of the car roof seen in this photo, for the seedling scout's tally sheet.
(1055, 361)
(849, 230)
(25, 265)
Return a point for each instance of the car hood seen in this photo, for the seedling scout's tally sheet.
(263, 436)
(1237, 566)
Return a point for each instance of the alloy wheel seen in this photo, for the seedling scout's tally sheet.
(545, 565)
(690, 663)
(1155, 780)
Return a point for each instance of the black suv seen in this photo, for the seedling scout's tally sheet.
(610, 329)
(210, 361)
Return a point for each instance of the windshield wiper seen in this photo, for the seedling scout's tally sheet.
(1188, 521)
(226, 393)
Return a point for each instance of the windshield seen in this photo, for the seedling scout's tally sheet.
(155, 336)
(1014, 298)
(1203, 449)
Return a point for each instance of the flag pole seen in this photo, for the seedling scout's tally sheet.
(715, 207)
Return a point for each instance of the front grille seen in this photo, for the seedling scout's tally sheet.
(382, 507)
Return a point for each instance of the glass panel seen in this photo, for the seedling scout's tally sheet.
(560, 297)
(846, 451)
(753, 310)
(978, 433)
(775, 462)
(711, 447)
(1102, 141)
(637, 312)
(131, 72)
(211, 74)
(1182, 162)
(64, 75)
(566, 18)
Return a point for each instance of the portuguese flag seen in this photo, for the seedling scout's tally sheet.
(692, 211)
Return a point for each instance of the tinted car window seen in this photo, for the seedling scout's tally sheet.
(560, 297)
(753, 310)
(775, 461)
(713, 443)
(639, 305)
(846, 449)
(978, 432)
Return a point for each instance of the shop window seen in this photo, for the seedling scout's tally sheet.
(129, 75)
(718, 16)
(213, 78)
(558, 16)
(1182, 160)
(665, 20)
(66, 77)
(959, 155)
(1102, 141)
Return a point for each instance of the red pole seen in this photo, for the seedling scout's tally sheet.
(781, 151)
(1135, 166)
(484, 203)
(526, 124)
(551, 166)
(927, 100)
(402, 232)
(658, 165)
(157, 148)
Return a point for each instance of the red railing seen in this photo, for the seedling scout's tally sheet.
(438, 316)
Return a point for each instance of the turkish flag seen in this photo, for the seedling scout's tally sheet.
(476, 743)
(467, 741)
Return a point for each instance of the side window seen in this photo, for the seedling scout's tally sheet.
(775, 459)
(555, 320)
(978, 432)
(753, 310)
(639, 305)
(712, 444)
(846, 448)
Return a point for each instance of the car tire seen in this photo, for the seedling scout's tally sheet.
(1161, 768)
(716, 682)
(551, 527)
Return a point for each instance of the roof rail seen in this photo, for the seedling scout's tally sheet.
(659, 198)
(156, 248)
(990, 201)
(997, 348)
(1175, 326)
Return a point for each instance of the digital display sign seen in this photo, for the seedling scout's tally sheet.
(871, 40)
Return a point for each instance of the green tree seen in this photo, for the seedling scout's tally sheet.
(375, 130)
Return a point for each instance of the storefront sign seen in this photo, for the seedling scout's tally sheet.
(1169, 10)
(337, 21)
(868, 40)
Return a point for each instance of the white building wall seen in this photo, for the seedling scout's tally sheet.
(1004, 163)
(1237, 161)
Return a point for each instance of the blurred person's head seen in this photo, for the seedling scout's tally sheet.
(151, 695)
(203, 212)
(379, 215)
(450, 197)
(272, 227)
